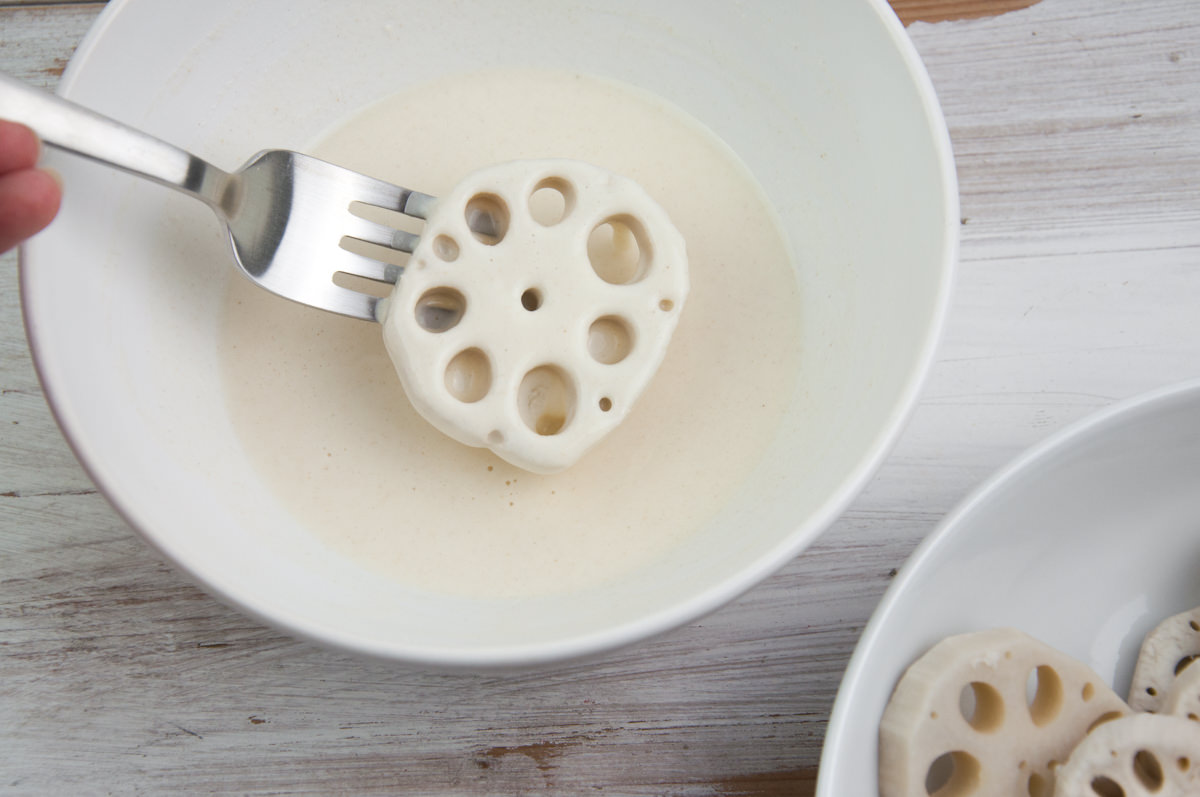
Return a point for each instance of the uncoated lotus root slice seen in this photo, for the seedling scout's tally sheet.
(988, 713)
(531, 328)
(1165, 651)
(1142, 755)
(1183, 699)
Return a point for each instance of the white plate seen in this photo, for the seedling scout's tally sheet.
(826, 104)
(1086, 542)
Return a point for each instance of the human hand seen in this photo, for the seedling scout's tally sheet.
(29, 196)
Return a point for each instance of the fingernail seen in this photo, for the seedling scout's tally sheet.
(54, 175)
(40, 147)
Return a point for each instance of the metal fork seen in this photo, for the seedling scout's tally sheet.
(286, 213)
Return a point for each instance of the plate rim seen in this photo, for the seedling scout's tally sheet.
(949, 529)
(719, 595)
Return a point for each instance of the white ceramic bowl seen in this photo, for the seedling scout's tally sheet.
(1086, 542)
(826, 103)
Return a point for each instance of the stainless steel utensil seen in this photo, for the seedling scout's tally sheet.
(286, 213)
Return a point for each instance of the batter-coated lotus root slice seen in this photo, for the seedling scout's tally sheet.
(1166, 650)
(988, 713)
(1183, 699)
(536, 308)
(1142, 755)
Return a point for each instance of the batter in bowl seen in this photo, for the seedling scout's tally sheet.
(321, 412)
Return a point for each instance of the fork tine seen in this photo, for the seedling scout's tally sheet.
(349, 302)
(363, 266)
(380, 234)
(393, 197)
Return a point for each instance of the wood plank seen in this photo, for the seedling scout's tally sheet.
(911, 11)
(37, 40)
(1080, 240)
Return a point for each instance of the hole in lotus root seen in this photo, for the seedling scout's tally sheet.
(1044, 693)
(1107, 787)
(440, 309)
(546, 400)
(1037, 786)
(953, 774)
(552, 199)
(610, 339)
(619, 250)
(1108, 716)
(487, 217)
(1184, 763)
(982, 706)
(1088, 692)
(531, 299)
(1148, 770)
(469, 376)
(445, 248)
(605, 404)
(1183, 663)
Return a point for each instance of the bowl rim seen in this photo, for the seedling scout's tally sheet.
(682, 612)
(1131, 409)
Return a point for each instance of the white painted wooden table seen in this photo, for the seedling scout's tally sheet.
(1076, 125)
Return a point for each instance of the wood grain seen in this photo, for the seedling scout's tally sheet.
(1075, 125)
(911, 11)
(37, 40)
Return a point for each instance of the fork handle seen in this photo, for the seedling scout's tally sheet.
(73, 128)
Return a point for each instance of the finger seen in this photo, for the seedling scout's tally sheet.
(18, 147)
(29, 200)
